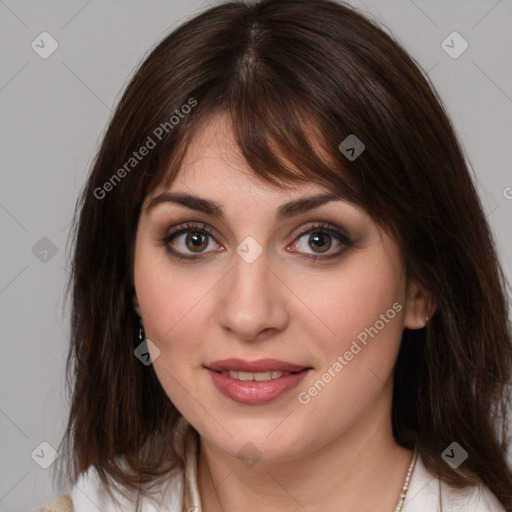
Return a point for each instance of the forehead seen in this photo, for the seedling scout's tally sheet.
(214, 165)
(214, 178)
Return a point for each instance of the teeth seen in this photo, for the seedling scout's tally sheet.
(258, 376)
(263, 375)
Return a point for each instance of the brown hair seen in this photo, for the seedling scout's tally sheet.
(282, 70)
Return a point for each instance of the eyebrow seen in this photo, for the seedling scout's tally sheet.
(286, 210)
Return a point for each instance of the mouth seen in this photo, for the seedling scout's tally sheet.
(257, 376)
(255, 382)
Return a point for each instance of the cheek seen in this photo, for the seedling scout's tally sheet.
(172, 303)
(351, 301)
(363, 308)
(173, 307)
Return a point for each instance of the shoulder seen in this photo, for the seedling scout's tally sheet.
(90, 490)
(61, 504)
(90, 493)
(427, 494)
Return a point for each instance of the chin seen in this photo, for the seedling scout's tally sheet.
(258, 441)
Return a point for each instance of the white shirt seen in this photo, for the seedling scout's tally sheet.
(424, 494)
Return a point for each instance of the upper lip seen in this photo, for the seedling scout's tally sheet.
(259, 365)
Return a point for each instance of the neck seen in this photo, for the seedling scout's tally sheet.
(336, 476)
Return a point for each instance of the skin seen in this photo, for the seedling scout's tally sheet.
(315, 456)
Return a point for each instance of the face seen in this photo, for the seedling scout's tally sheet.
(276, 325)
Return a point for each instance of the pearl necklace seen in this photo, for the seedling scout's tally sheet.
(401, 500)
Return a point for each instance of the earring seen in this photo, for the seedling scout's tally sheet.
(142, 335)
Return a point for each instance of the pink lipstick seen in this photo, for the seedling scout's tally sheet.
(255, 382)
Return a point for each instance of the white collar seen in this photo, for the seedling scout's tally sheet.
(425, 491)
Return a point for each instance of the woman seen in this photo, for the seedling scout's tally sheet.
(285, 292)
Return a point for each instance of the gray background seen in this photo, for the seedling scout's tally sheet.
(54, 111)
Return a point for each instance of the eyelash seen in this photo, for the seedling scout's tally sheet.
(322, 227)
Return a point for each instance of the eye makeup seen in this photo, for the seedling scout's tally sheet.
(324, 232)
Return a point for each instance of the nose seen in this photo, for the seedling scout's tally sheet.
(252, 304)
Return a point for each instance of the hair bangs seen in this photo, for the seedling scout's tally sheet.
(280, 137)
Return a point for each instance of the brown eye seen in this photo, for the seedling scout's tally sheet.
(319, 241)
(196, 241)
(190, 241)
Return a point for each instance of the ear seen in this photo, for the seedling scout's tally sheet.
(136, 307)
(418, 306)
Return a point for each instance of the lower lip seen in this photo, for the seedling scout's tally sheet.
(255, 392)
